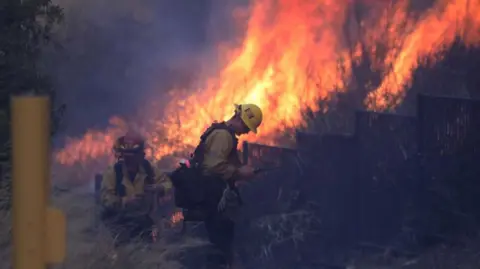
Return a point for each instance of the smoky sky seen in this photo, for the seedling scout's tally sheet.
(116, 55)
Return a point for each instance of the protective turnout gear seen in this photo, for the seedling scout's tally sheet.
(220, 231)
(220, 156)
(230, 199)
(220, 167)
(207, 183)
(119, 174)
(112, 191)
(215, 156)
(127, 206)
(251, 115)
(219, 161)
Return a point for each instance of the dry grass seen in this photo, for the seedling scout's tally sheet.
(281, 228)
(90, 247)
(5, 231)
(464, 255)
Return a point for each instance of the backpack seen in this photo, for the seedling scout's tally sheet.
(119, 187)
(190, 187)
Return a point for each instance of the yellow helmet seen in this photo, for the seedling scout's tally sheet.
(251, 115)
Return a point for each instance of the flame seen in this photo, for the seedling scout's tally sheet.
(418, 40)
(295, 53)
(176, 217)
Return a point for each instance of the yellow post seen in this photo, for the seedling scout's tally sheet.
(32, 219)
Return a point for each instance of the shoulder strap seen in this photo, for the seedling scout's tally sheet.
(235, 141)
(149, 171)
(197, 155)
(119, 188)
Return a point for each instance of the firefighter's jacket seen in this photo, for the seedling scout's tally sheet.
(221, 155)
(112, 200)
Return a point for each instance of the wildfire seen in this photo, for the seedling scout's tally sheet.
(295, 53)
(410, 41)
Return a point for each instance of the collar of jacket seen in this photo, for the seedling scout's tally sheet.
(140, 171)
(230, 129)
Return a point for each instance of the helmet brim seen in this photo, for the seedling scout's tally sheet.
(130, 152)
(249, 125)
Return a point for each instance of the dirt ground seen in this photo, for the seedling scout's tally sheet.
(89, 247)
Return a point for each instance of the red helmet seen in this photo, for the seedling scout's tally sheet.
(129, 144)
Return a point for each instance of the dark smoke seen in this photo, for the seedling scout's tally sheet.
(116, 55)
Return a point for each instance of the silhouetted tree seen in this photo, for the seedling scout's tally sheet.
(26, 28)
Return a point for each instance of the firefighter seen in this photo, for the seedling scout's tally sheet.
(126, 191)
(221, 167)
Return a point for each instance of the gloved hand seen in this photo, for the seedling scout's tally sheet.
(246, 171)
(154, 233)
(229, 197)
(129, 201)
(136, 205)
(155, 188)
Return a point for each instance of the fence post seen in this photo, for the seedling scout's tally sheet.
(97, 211)
(38, 230)
(245, 152)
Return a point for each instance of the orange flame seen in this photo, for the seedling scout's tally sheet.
(295, 53)
(416, 40)
(176, 217)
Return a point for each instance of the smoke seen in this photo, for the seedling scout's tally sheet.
(116, 55)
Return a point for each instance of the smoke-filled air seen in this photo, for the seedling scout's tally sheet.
(292, 55)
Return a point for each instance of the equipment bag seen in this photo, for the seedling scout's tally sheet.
(189, 189)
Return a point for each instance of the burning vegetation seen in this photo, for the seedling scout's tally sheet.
(294, 54)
